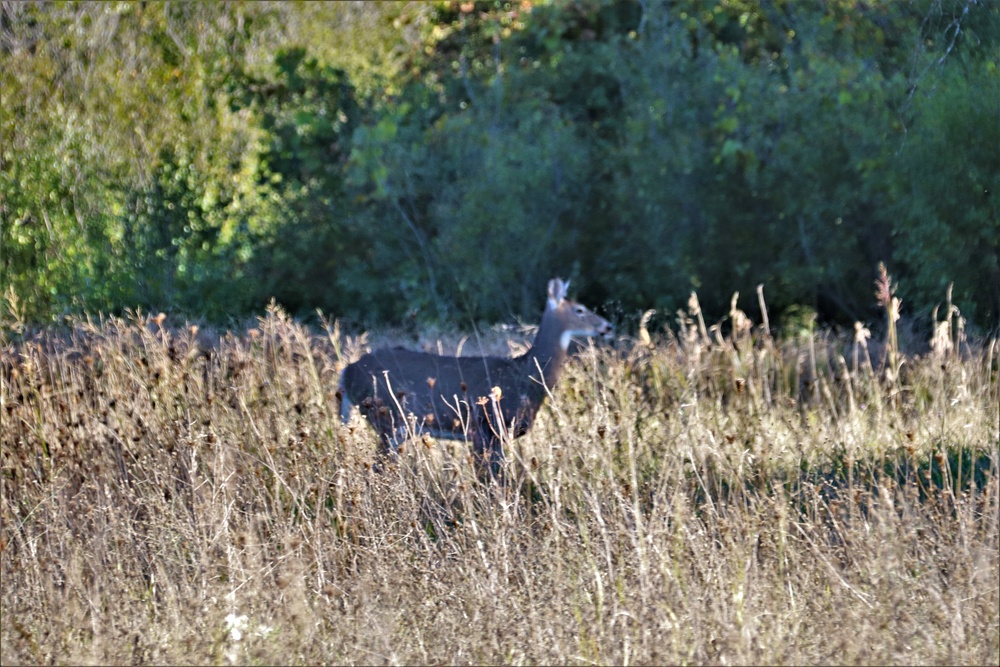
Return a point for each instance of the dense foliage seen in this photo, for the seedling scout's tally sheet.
(388, 161)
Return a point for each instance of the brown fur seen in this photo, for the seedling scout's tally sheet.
(404, 393)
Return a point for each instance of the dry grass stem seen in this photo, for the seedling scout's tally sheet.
(170, 494)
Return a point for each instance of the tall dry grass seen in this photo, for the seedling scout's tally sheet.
(713, 496)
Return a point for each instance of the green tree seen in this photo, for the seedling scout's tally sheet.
(944, 185)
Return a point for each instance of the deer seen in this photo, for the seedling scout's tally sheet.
(482, 400)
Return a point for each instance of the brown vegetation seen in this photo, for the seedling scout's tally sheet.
(173, 496)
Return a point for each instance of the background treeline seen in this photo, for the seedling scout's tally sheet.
(441, 161)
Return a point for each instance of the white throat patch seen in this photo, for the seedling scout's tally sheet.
(567, 336)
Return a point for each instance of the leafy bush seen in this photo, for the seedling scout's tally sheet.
(945, 180)
(209, 158)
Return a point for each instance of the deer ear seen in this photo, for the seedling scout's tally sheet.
(557, 291)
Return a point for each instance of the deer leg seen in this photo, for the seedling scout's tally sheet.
(387, 449)
(488, 455)
(381, 419)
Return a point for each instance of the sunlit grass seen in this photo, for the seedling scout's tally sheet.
(175, 495)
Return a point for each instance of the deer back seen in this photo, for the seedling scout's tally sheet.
(443, 393)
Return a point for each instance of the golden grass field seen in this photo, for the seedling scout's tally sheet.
(172, 495)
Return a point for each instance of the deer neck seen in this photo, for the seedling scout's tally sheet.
(548, 352)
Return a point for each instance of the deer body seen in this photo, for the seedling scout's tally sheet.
(482, 399)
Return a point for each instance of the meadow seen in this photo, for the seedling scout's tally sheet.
(173, 494)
